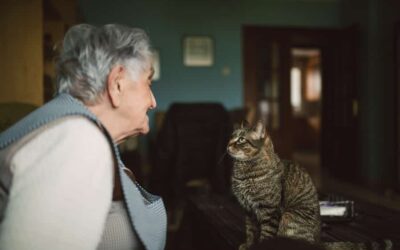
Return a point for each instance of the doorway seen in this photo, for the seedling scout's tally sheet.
(305, 99)
(307, 79)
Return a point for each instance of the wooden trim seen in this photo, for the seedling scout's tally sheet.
(396, 44)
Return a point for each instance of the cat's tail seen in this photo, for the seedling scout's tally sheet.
(375, 245)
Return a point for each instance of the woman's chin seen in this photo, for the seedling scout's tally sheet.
(144, 132)
(145, 128)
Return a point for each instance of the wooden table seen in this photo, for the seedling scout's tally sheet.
(217, 222)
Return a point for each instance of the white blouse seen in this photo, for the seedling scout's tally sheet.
(118, 234)
(61, 191)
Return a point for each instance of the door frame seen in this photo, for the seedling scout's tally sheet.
(331, 42)
(396, 169)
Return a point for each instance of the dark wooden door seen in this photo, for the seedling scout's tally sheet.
(340, 128)
(266, 76)
(267, 63)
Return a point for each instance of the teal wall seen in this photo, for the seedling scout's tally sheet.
(167, 22)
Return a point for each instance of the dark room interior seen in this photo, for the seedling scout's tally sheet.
(323, 76)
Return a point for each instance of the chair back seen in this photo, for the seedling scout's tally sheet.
(191, 145)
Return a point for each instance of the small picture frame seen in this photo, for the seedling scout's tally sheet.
(198, 51)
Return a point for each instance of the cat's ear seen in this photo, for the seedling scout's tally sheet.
(244, 124)
(260, 129)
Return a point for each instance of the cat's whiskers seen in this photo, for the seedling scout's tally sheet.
(221, 159)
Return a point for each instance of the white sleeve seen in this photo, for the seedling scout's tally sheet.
(61, 189)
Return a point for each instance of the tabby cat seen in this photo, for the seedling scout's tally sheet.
(279, 197)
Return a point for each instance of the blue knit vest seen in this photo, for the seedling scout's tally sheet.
(146, 211)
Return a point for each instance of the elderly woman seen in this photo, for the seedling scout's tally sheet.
(62, 182)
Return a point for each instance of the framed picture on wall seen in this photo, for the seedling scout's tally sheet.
(198, 51)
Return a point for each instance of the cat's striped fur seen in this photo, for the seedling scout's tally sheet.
(279, 197)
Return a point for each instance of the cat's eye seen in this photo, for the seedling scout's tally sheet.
(241, 140)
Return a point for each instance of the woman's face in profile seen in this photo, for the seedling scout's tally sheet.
(137, 99)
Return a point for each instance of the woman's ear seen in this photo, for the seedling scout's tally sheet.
(114, 85)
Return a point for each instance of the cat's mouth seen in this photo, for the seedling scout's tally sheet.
(236, 154)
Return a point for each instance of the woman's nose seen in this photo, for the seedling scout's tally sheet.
(153, 101)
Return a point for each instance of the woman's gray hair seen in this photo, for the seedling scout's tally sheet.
(89, 53)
